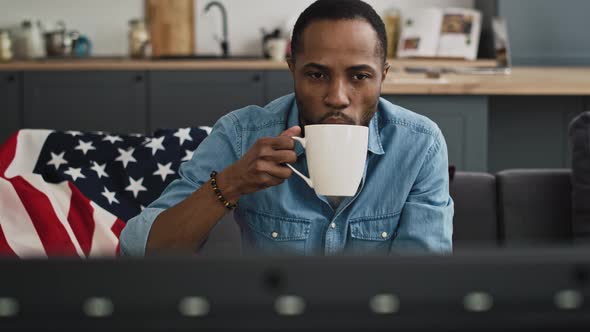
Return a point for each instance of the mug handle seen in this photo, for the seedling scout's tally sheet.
(305, 178)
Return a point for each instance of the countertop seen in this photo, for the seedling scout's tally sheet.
(522, 80)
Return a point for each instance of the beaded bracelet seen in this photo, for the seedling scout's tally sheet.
(220, 197)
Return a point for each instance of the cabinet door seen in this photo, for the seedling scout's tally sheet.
(531, 131)
(200, 98)
(9, 104)
(463, 121)
(278, 84)
(86, 101)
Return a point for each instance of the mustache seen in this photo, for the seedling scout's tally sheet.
(337, 114)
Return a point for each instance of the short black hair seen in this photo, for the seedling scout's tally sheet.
(339, 10)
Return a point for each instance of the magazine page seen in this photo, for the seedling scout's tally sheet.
(420, 33)
(459, 34)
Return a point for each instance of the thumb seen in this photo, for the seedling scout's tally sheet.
(293, 131)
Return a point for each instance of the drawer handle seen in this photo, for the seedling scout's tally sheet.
(138, 78)
(256, 78)
(11, 78)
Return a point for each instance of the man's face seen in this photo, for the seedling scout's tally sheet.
(338, 73)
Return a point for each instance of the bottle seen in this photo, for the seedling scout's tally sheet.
(138, 39)
(391, 20)
(32, 40)
(5, 46)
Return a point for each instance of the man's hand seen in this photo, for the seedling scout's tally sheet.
(261, 167)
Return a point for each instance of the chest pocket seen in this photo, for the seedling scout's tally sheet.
(372, 235)
(274, 235)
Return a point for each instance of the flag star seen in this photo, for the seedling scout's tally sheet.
(136, 135)
(156, 144)
(74, 133)
(84, 146)
(164, 170)
(206, 129)
(184, 134)
(57, 160)
(110, 196)
(135, 186)
(188, 156)
(126, 157)
(99, 169)
(141, 207)
(112, 139)
(75, 173)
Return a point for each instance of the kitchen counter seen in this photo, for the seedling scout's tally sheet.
(199, 64)
(522, 81)
(533, 81)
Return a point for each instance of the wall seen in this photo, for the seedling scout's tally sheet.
(555, 35)
(105, 21)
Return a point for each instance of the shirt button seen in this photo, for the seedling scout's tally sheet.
(384, 235)
(333, 225)
(274, 235)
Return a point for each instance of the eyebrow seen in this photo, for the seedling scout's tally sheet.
(351, 68)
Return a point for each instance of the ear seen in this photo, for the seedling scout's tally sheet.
(291, 63)
(386, 67)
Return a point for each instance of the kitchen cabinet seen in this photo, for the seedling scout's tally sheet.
(531, 131)
(278, 83)
(483, 133)
(200, 98)
(113, 101)
(9, 103)
(463, 121)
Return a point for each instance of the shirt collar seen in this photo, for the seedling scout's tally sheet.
(374, 145)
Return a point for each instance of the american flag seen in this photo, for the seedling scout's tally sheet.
(70, 193)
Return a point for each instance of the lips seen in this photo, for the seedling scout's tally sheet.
(335, 120)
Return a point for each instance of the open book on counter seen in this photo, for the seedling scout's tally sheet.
(440, 32)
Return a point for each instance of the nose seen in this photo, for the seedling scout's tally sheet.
(337, 95)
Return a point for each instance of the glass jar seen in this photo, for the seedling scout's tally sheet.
(5, 46)
(138, 39)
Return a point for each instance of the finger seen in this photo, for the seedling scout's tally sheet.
(271, 168)
(293, 131)
(280, 172)
(266, 180)
(281, 156)
(283, 143)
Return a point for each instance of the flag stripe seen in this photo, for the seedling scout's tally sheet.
(117, 229)
(80, 218)
(50, 229)
(29, 144)
(16, 224)
(104, 241)
(7, 152)
(5, 249)
(59, 196)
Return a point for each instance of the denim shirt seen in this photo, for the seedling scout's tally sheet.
(402, 204)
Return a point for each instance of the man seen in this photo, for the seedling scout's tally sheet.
(338, 65)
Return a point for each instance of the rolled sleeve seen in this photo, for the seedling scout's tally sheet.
(426, 222)
(216, 152)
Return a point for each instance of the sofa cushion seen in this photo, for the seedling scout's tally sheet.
(475, 219)
(535, 206)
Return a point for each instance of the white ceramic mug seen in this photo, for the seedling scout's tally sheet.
(336, 157)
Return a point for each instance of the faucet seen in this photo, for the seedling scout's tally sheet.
(224, 42)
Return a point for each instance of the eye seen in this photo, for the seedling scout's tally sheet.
(360, 77)
(316, 75)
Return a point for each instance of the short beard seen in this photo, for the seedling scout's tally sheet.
(365, 118)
